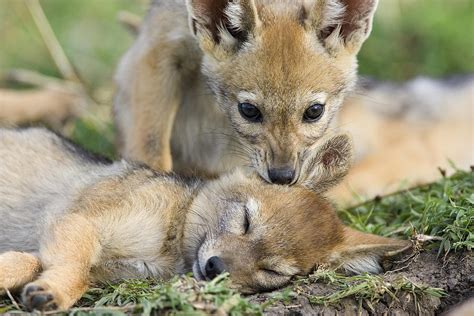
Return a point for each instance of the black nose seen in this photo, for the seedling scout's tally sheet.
(214, 267)
(281, 175)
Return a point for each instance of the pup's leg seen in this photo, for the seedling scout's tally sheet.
(152, 92)
(17, 269)
(67, 254)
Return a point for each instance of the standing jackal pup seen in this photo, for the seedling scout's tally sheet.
(69, 219)
(248, 82)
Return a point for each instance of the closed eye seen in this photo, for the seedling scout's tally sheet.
(270, 279)
(273, 272)
(276, 273)
(246, 221)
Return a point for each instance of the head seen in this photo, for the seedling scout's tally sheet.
(264, 234)
(280, 70)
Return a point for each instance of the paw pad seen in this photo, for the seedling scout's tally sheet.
(37, 298)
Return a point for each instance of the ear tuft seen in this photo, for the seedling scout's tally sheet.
(235, 15)
(367, 264)
(225, 23)
(328, 164)
(337, 152)
(342, 23)
(325, 13)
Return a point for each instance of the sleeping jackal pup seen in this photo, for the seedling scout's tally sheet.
(69, 219)
(213, 84)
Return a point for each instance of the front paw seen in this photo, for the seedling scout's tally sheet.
(39, 297)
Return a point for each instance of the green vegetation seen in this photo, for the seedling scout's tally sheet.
(181, 295)
(368, 288)
(185, 296)
(431, 37)
(423, 37)
(95, 135)
(88, 31)
(444, 209)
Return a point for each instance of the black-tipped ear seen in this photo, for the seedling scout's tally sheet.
(328, 164)
(223, 22)
(342, 23)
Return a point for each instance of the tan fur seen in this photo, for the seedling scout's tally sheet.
(285, 54)
(70, 251)
(179, 88)
(395, 150)
(50, 106)
(17, 269)
(88, 221)
(463, 309)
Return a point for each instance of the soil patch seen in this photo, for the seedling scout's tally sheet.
(454, 274)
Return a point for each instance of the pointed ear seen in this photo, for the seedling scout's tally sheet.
(361, 252)
(342, 24)
(226, 23)
(328, 164)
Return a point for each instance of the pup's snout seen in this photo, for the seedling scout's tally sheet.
(281, 175)
(214, 267)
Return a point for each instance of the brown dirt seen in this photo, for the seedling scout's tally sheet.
(454, 274)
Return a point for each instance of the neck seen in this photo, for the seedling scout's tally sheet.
(179, 237)
(194, 225)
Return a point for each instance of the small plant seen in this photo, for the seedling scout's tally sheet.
(181, 295)
(368, 288)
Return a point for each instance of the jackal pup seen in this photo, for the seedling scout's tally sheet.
(69, 219)
(210, 84)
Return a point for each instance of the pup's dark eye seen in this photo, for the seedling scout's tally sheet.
(313, 113)
(246, 221)
(250, 112)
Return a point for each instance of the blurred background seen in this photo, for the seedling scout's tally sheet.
(410, 38)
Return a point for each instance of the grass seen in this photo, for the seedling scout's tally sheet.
(367, 288)
(429, 37)
(422, 37)
(181, 295)
(444, 209)
(98, 137)
(185, 296)
(87, 30)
